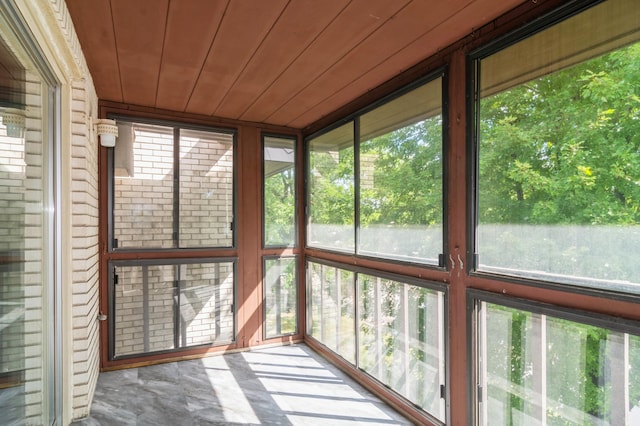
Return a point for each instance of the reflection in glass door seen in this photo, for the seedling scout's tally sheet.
(27, 244)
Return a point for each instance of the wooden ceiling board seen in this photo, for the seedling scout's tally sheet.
(460, 24)
(185, 52)
(464, 22)
(354, 24)
(278, 62)
(241, 32)
(94, 25)
(409, 24)
(140, 28)
(289, 37)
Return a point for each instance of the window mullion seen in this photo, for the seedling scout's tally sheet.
(176, 187)
(356, 183)
(145, 307)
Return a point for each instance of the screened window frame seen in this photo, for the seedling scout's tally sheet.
(296, 233)
(475, 297)
(309, 299)
(307, 170)
(176, 126)
(440, 72)
(473, 58)
(111, 305)
(403, 279)
(296, 259)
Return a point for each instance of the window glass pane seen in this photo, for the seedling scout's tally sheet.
(634, 380)
(281, 296)
(143, 186)
(27, 240)
(332, 306)
(145, 314)
(152, 209)
(538, 369)
(206, 189)
(206, 303)
(314, 299)
(169, 306)
(401, 339)
(331, 190)
(279, 191)
(559, 145)
(401, 177)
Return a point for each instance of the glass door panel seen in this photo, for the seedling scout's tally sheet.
(27, 245)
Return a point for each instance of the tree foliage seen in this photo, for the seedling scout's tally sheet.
(331, 186)
(400, 178)
(564, 148)
(279, 206)
(406, 183)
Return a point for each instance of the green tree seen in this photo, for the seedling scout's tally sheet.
(406, 188)
(331, 186)
(279, 205)
(563, 149)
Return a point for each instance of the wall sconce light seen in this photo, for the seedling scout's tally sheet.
(107, 130)
(13, 120)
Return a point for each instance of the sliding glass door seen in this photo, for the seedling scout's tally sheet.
(27, 231)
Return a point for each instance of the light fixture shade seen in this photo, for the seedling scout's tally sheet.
(107, 130)
(13, 120)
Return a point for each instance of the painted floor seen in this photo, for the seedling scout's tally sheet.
(288, 385)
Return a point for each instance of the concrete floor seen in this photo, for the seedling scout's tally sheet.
(288, 385)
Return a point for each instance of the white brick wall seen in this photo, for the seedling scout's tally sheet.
(84, 222)
(143, 202)
(205, 311)
(130, 314)
(143, 196)
(206, 299)
(206, 190)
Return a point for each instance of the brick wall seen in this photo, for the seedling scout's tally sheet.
(147, 306)
(144, 325)
(206, 190)
(84, 226)
(206, 303)
(143, 200)
(144, 190)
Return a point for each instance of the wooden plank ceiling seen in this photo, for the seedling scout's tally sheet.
(282, 62)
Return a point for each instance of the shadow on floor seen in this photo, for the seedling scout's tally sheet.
(288, 385)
